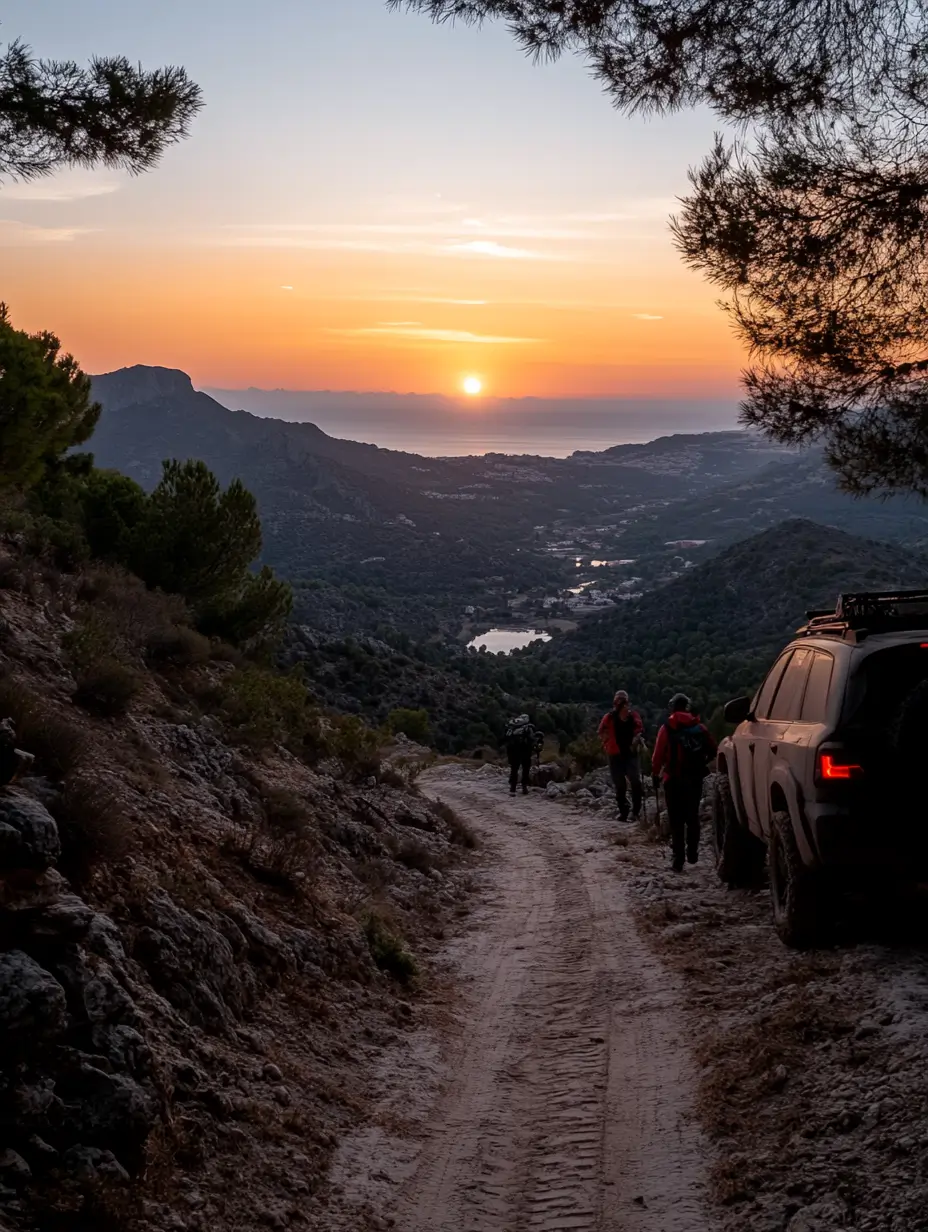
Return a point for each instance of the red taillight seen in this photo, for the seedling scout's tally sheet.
(833, 766)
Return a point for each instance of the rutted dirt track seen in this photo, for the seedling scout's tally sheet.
(567, 1099)
(593, 1006)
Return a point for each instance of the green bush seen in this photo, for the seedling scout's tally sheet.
(354, 745)
(265, 707)
(587, 752)
(388, 950)
(107, 688)
(178, 646)
(412, 723)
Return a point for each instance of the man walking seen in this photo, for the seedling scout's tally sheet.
(682, 754)
(522, 740)
(621, 732)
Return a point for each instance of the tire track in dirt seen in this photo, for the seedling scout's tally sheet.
(568, 1105)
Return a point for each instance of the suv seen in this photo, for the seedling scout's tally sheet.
(819, 776)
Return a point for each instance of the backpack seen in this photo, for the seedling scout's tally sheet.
(520, 736)
(689, 752)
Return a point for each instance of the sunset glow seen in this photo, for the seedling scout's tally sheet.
(472, 386)
(390, 248)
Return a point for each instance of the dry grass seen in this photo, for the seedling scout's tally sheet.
(459, 831)
(107, 689)
(94, 828)
(57, 742)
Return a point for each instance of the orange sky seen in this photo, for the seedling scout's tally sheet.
(392, 229)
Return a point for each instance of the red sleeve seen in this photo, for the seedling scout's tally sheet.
(601, 730)
(639, 726)
(659, 760)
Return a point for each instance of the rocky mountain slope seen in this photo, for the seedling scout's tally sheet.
(202, 941)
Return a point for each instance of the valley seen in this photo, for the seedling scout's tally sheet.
(683, 562)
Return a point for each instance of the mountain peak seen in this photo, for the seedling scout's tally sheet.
(141, 383)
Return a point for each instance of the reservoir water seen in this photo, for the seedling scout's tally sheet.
(505, 641)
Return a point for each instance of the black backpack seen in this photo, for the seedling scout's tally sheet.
(689, 752)
(520, 737)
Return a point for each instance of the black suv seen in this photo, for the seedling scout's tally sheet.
(822, 775)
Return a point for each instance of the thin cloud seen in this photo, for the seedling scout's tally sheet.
(68, 186)
(22, 233)
(499, 252)
(286, 288)
(646, 316)
(421, 334)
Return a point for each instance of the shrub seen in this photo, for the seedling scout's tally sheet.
(388, 950)
(265, 707)
(415, 854)
(412, 723)
(459, 831)
(177, 646)
(107, 688)
(587, 753)
(282, 858)
(95, 831)
(58, 743)
(354, 745)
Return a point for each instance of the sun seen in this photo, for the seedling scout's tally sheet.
(472, 386)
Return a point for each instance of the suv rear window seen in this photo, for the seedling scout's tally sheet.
(885, 679)
(788, 702)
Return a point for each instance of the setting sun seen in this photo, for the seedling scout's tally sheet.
(472, 386)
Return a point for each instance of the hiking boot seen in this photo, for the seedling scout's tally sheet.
(512, 791)
(524, 791)
(677, 866)
(636, 817)
(692, 857)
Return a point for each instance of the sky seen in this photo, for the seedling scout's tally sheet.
(368, 202)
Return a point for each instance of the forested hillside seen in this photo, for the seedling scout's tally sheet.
(712, 631)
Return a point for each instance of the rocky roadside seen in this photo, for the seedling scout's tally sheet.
(813, 1067)
(188, 1025)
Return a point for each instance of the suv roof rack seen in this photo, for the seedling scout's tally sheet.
(863, 612)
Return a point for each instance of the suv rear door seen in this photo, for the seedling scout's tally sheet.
(780, 735)
(746, 738)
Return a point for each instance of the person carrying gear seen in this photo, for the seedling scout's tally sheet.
(682, 754)
(522, 741)
(621, 733)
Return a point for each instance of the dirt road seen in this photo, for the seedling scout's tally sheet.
(567, 1086)
(628, 1050)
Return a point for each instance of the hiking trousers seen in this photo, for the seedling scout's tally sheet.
(626, 769)
(684, 796)
(517, 762)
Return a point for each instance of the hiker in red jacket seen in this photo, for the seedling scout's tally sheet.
(621, 732)
(681, 760)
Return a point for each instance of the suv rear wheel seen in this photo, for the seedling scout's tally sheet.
(739, 856)
(796, 893)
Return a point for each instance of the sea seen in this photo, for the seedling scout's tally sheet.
(436, 426)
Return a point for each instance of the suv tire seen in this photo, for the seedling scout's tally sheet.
(739, 856)
(795, 892)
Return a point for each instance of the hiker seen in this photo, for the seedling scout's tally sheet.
(522, 740)
(682, 754)
(621, 733)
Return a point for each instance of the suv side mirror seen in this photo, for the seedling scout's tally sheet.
(738, 710)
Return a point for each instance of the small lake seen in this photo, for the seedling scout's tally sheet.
(505, 641)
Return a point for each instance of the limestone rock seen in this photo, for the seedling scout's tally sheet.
(32, 1002)
(28, 834)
